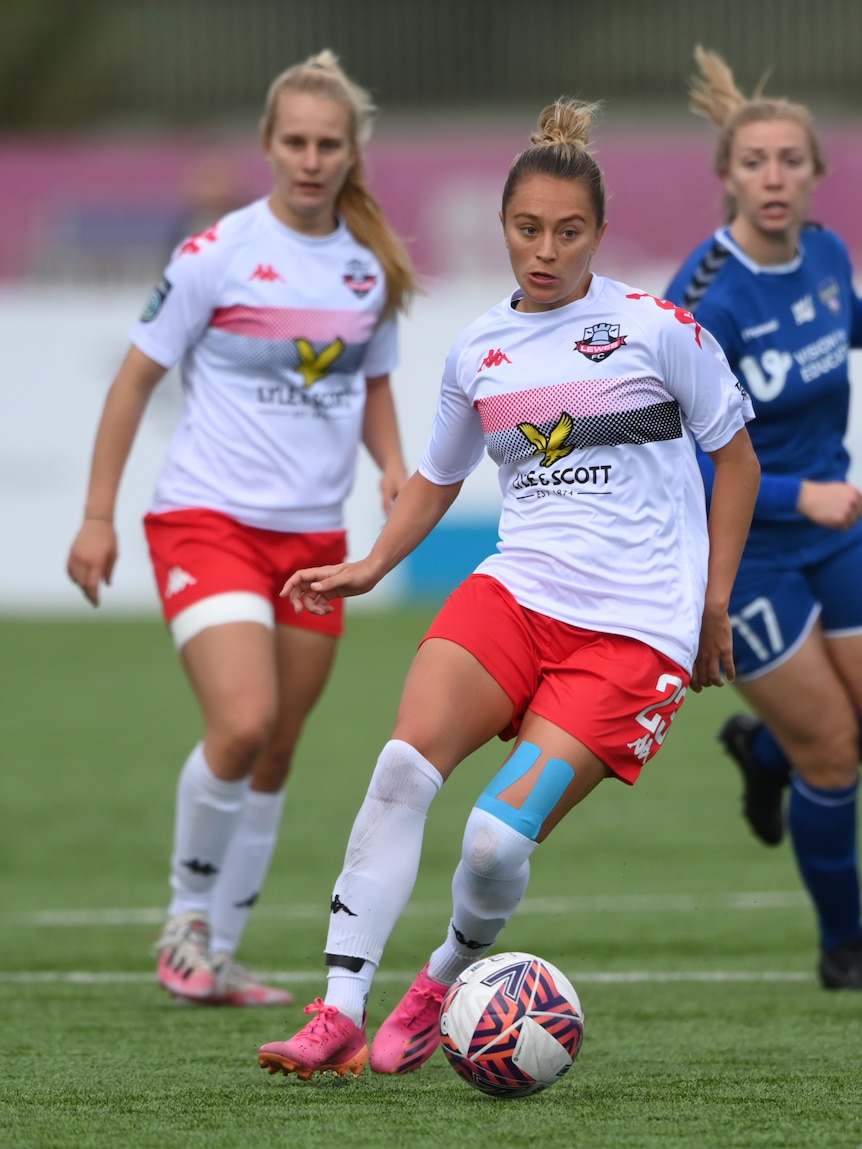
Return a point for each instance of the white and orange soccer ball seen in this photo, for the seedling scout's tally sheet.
(511, 1025)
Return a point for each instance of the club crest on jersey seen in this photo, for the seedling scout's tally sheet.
(157, 298)
(358, 278)
(830, 294)
(600, 341)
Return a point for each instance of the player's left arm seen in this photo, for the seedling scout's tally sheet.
(734, 492)
(382, 438)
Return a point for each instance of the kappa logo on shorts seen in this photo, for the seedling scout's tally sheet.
(157, 298)
(178, 580)
(600, 341)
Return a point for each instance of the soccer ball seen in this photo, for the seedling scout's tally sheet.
(511, 1025)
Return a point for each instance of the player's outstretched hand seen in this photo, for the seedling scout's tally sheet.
(715, 651)
(92, 557)
(312, 588)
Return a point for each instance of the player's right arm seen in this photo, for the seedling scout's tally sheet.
(94, 551)
(418, 509)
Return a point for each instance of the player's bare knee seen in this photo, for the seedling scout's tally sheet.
(241, 737)
(831, 760)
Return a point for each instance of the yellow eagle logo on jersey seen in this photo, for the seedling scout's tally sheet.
(553, 444)
(313, 367)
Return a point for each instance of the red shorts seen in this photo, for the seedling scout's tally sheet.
(200, 555)
(615, 694)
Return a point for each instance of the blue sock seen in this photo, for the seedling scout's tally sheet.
(823, 829)
(769, 754)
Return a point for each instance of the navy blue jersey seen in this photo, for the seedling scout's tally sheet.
(786, 332)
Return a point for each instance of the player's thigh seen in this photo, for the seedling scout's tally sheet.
(837, 581)
(232, 670)
(305, 659)
(845, 653)
(450, 705)
(805, 703)
(547, 774)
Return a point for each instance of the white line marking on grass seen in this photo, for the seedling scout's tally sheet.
(292, 977)
(530, 907)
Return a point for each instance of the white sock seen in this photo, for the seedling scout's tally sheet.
(487, 886)
(208, 810)
(244, 869)
(349, 990)
(380, 864)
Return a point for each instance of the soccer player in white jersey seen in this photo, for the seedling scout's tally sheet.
(606, 598)
(283, 317)
(778, 295)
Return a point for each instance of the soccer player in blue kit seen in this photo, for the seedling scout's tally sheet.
(777, 294)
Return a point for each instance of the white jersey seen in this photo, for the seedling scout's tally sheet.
(590, 411)
(276, 333)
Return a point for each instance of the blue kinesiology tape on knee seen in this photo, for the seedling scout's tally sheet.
(546, 793)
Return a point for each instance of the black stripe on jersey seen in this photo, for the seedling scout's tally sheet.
(705, 272)
(653, 424)
(711, 265)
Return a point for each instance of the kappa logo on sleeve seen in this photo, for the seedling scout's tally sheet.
(679, 313)
(195, 243)
(156, 301)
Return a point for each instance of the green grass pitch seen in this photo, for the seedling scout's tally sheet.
(692, 947)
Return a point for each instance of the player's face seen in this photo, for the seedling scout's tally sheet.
(310, 154)
(771, 176)
(551, 232)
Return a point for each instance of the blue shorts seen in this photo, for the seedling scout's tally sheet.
(775, 604)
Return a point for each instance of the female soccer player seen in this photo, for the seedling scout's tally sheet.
(283, 317)
(578, 637)
(777, 294)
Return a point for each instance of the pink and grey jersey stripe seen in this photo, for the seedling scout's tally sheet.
(604, 412)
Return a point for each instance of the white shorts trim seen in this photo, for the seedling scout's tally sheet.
(848, 632)
(234, 606)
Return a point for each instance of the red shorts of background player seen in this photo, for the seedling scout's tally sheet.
(615, 694)
(211, 569)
